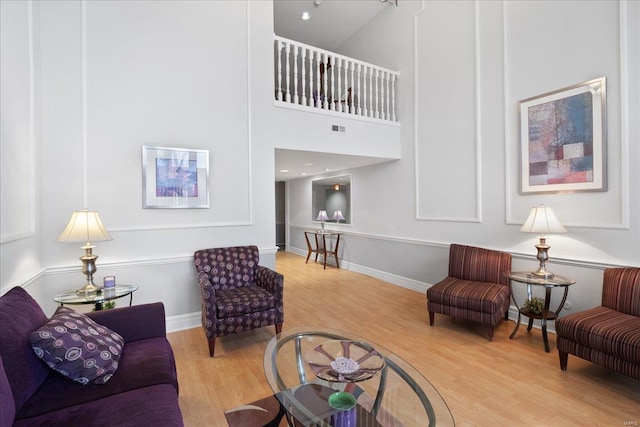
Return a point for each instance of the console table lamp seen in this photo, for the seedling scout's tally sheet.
(337, 215)
(542, 220)
(86, 226)
(322, 216)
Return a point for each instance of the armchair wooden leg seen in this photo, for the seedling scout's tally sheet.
(432, 316)
(564, 357)
(490, 333)
(212, 346)
(278, 328)
(506, 315)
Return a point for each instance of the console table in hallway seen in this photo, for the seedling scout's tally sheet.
(321, 248)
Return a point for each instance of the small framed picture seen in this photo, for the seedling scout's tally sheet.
(563, 139)
(175, 178)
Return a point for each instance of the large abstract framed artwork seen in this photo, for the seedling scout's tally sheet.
(563, 139)
(175, 178)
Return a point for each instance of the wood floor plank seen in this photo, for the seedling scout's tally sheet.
(500, 383)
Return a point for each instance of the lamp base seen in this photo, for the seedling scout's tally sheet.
(88, 268)
(543, 257)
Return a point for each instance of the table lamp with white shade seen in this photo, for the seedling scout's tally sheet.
(542, 220)
(86, 226)
(322, 216)
(337, 215)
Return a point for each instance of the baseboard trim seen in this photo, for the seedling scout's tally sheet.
(181, 322)
(403, 282)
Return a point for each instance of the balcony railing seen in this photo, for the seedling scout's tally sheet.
(312, 78)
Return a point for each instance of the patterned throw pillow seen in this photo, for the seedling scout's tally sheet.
(77, 347)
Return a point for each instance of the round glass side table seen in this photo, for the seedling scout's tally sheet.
(548, 283)
(97, 299)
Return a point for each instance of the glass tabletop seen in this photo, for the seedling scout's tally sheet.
(106, 294)
(396, 395)
(530, 278)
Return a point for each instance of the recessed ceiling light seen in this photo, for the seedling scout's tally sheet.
(327, 169)
(308, 164)
(284, 170)
(305, 16)
(303, 174)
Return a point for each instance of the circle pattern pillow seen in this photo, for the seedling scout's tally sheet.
(77, 347)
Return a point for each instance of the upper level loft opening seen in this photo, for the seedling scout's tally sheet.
(308, 73)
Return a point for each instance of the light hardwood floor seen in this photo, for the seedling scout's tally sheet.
(500, 383)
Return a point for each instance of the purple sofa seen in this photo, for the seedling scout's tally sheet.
(143, 390)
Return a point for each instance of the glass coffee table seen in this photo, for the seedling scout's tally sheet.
(387, 390)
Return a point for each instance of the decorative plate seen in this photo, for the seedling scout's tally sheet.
(344, 361)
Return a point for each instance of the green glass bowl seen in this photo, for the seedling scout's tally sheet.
(342, 400)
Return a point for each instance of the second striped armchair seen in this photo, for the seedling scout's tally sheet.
(475, 288)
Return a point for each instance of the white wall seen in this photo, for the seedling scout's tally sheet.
(165, 73)
(20, 237)
(115, 76)
(464, 67)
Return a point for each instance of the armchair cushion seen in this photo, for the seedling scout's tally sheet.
(466, 295)
(243, 300)
(77, 347)
(604, 330)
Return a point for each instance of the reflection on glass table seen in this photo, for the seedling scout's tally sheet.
(397, 395)
(98, 298)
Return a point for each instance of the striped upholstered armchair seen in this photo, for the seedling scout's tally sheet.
(609, 334)
(475, 288)
(237, 293)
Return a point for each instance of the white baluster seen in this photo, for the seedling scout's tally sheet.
(339, 72)
(288, 73)
(317, 102)
(382, 94)
(311, 99)
(296, 98)
(324, 82)
(358, 99)
(370, 93)
(304, 76)
(279, 70)
(332, 105)
(350, 106)
(393, 98)
(387, 77)
(377, 82)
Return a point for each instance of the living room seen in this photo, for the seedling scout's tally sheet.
(86, 84)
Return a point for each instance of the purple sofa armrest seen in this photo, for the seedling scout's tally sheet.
(134, 323)
(7, 404)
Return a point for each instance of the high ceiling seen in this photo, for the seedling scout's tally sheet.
(293, 164)
(331, 23)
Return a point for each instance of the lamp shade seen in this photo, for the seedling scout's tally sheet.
(542, 220)
(337, 215)
(322, 216)
(84, 226)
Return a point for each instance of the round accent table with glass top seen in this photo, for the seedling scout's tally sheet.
(98, 298)
(395, 394)
(549, 283)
